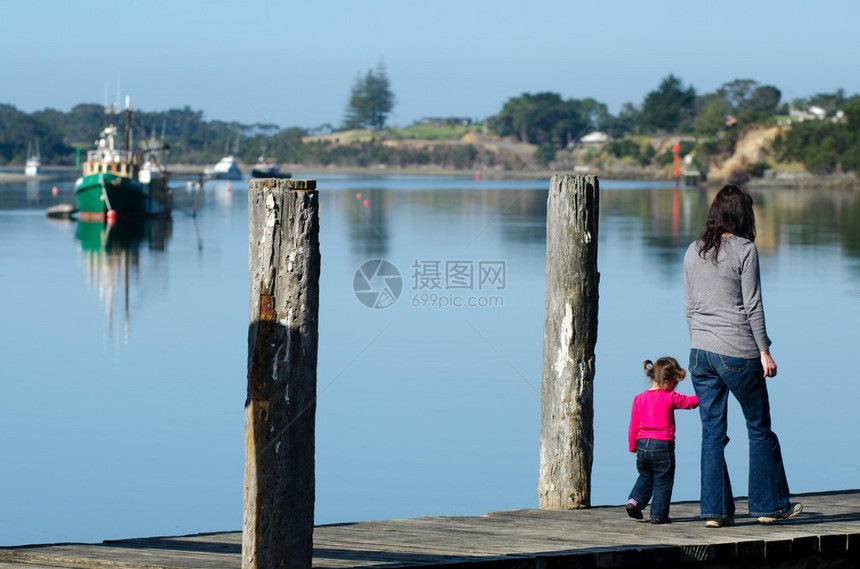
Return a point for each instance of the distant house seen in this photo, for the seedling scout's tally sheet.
(595, 137)
(817, 112)
(814, 113)
(446, 121)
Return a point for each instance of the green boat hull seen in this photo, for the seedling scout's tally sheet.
(98, 194)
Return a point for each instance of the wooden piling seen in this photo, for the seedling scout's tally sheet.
(284, 260)
(570, 334)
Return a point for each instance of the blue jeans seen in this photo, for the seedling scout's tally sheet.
(714, 376)
(655, 461)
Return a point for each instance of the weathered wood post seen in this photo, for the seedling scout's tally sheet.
(570, 334)
(284, 259)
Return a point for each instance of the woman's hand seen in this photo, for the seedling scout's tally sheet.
(768, 364)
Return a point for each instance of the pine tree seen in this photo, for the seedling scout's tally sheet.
(353, 117)
(370, 100)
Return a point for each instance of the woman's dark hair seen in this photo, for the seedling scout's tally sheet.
(731, 212)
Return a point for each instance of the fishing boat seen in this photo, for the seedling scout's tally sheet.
(33, 167)
(225, 169)
(111, 186)
(268, 169)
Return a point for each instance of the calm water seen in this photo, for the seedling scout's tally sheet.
(124, 352)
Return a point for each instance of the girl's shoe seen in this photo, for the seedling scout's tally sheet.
(792, 511)
(719, 522)
(634, 510)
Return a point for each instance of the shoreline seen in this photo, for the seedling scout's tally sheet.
(772, 179)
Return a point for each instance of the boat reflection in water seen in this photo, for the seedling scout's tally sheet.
(112, 261)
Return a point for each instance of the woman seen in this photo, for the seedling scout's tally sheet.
(730, 353)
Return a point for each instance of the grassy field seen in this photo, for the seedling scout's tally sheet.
(433, 132)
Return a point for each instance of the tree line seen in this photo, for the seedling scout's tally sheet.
(191, 139)
(712, 122)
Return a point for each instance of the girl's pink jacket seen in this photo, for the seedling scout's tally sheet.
(653, 415)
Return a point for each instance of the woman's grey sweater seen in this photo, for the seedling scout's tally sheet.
(723, 302)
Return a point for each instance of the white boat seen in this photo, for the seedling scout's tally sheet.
(225, 169)
(268, 169)
(153, 157)
(151, 170)
(34, 162)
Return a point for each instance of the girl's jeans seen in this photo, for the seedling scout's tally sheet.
(655, 461)
(714, 376)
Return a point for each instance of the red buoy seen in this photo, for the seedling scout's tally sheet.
(676, 148)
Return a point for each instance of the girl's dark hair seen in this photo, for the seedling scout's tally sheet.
(665, 372)
(731, 212)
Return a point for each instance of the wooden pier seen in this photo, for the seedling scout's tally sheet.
(827, 534)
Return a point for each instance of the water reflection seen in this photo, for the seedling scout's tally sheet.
(111, 262)
(35, 194)
(463, 381)
(367, 218)
(374, 214)
(221, 191)
(524, 217)
(669, 219)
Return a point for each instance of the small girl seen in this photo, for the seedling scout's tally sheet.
(652, 438)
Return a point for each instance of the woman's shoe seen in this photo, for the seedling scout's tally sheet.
(719, 522)
(792, 511)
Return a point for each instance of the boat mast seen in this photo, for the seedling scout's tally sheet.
(128, 123)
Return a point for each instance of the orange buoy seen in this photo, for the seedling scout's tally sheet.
(365, 203)
(54, 191)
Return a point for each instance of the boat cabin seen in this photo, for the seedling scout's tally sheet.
(106, 159)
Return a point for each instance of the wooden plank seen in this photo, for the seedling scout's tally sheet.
(517, 539)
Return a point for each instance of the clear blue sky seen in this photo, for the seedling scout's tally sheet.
(292, 63)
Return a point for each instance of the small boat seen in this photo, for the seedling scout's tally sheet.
(34, 162)
(61, 211)
(225, 169)
(268, 169)
(111, 185)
